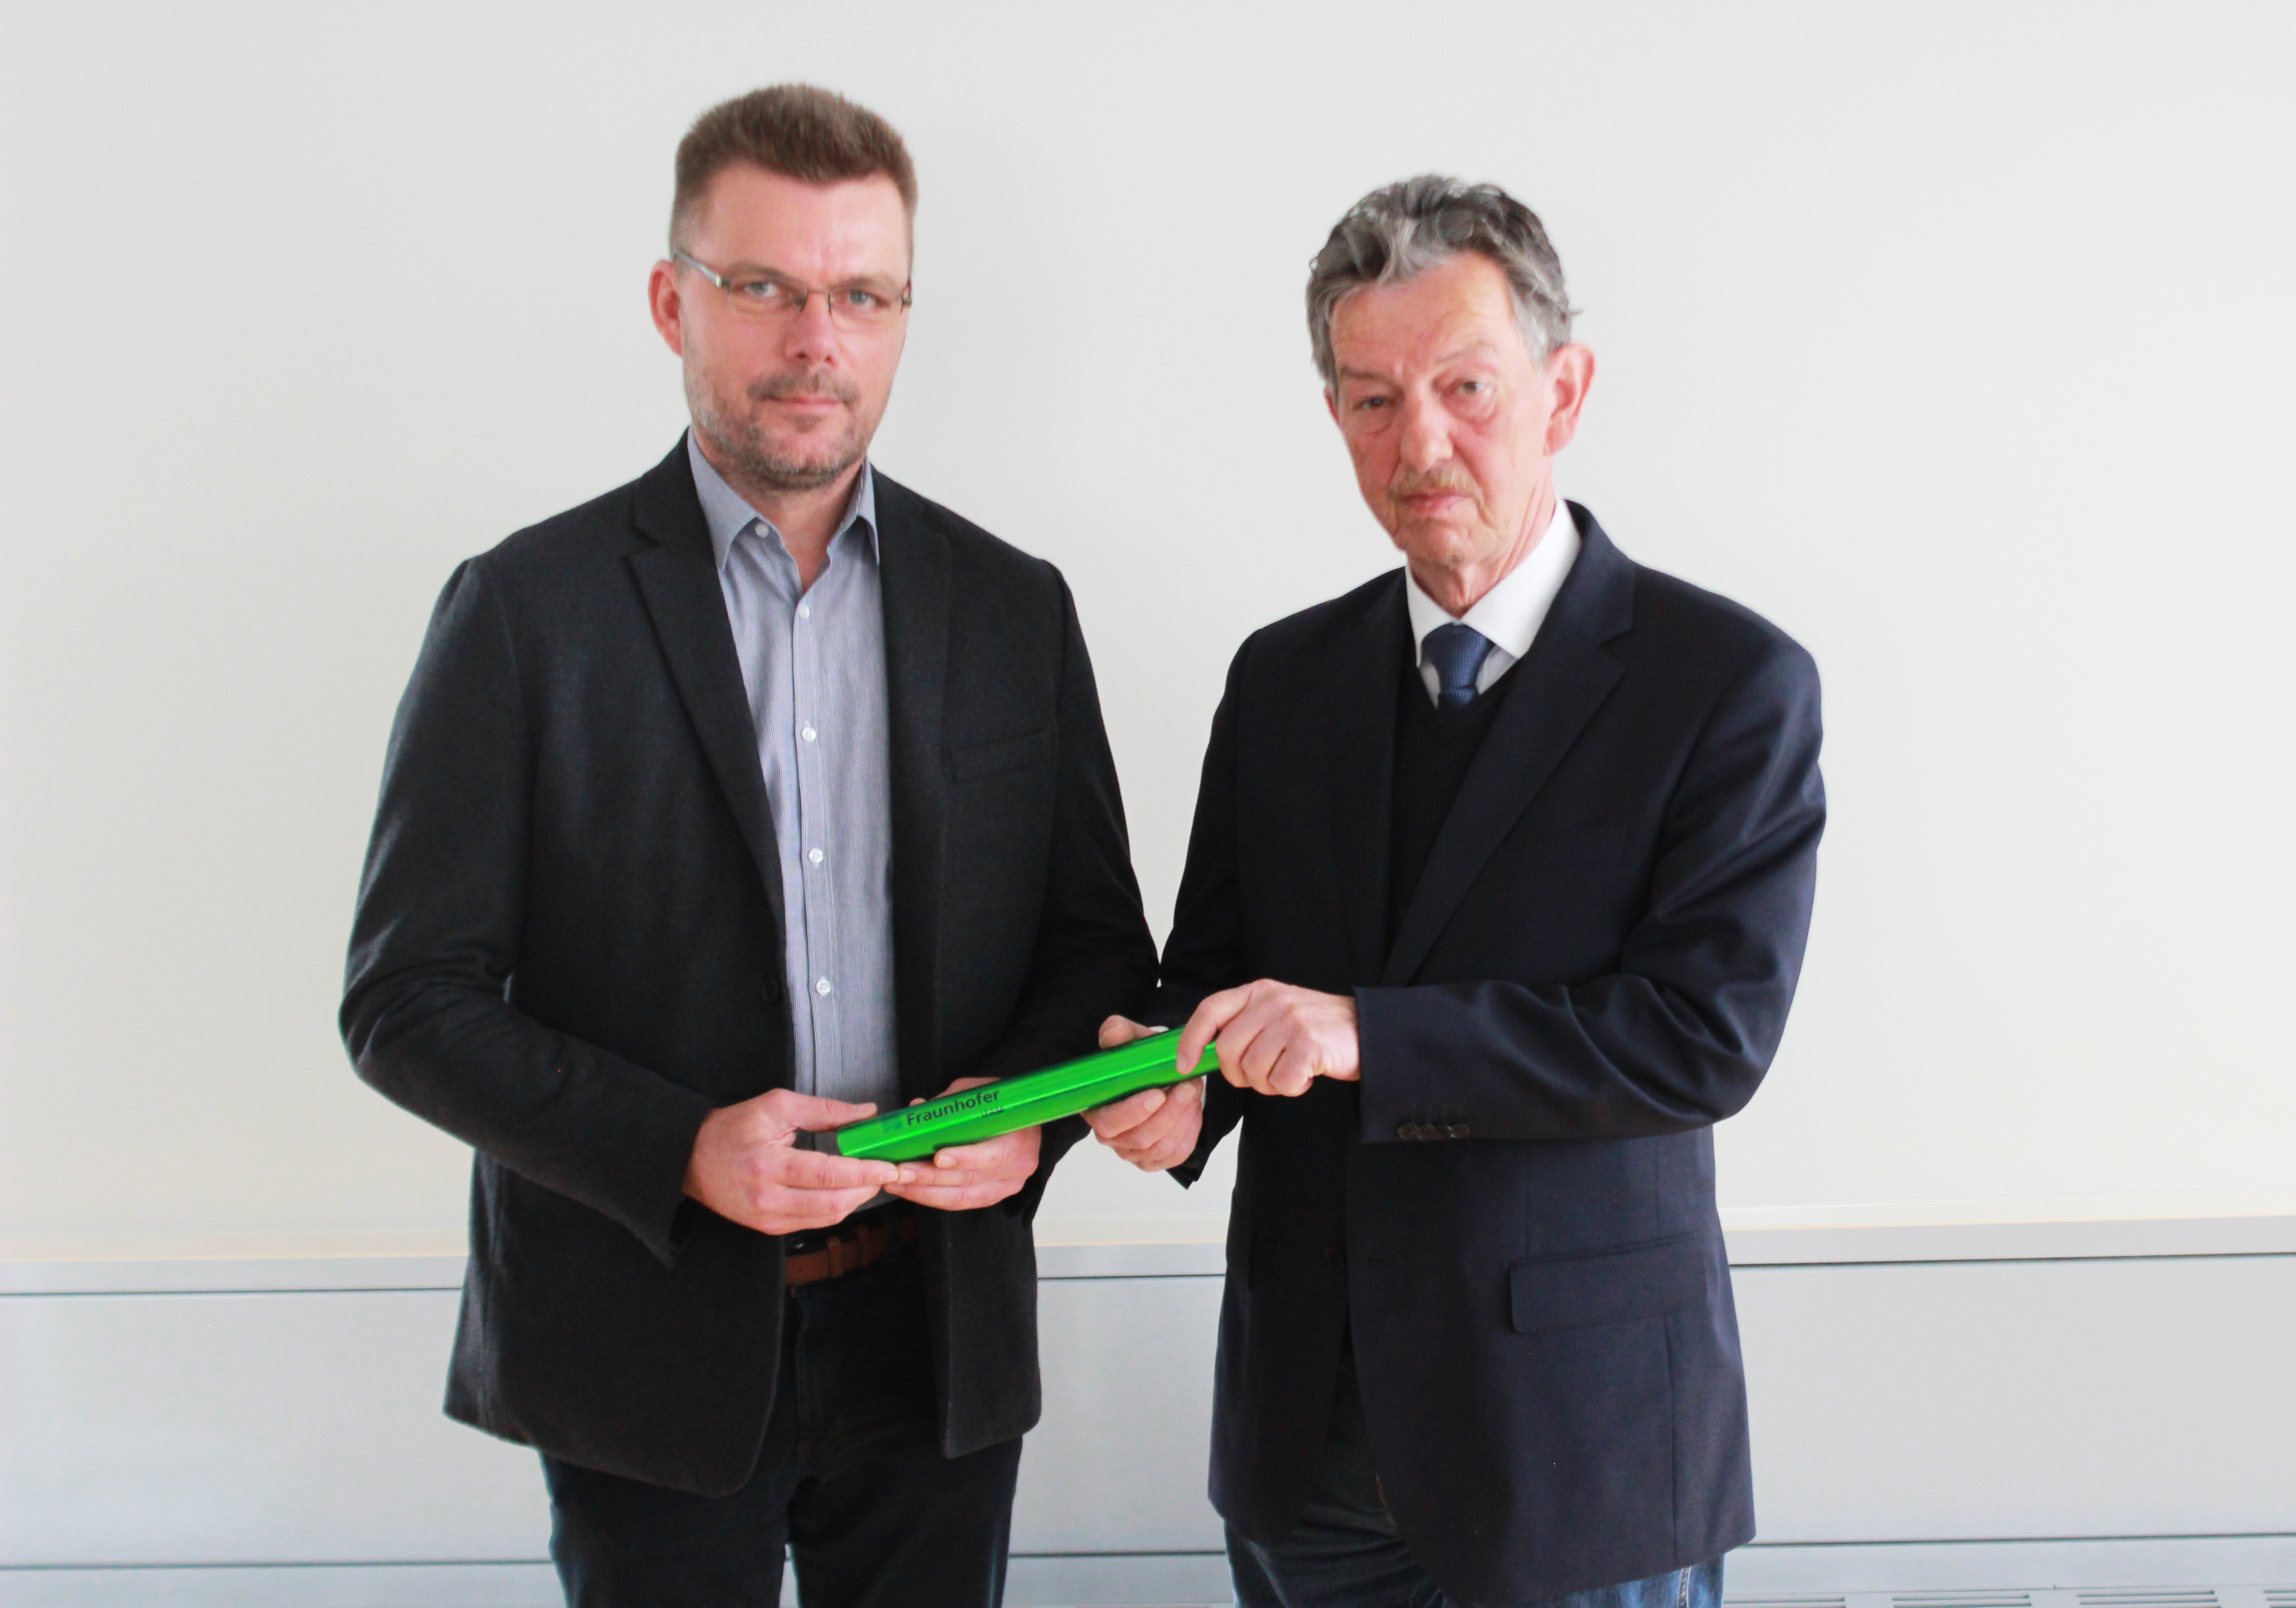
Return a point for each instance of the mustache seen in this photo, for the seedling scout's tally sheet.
(1417, 482)
(807, 382)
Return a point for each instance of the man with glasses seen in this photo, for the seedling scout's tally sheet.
(752, 797)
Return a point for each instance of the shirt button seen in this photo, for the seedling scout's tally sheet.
(805, 610)
(821, 986)
(813, 855)
(809, 734)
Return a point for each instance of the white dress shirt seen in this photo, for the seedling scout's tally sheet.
(1511, 612)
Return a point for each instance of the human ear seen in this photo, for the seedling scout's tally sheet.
(663, 301)
(1570, 374)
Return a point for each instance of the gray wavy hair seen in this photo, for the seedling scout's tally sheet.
(1401, 230)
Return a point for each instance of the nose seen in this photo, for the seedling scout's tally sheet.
(811, 337)
(1425, 439)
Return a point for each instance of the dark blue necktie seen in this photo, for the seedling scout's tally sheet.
(1458, 653)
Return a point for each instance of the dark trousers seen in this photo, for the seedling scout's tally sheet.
(850, 1480)
(1346, 1551)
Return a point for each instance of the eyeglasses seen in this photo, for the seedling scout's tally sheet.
(864, 304)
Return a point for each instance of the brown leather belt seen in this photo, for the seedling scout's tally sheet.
(845, 1248)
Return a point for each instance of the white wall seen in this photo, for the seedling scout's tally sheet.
(1956, 339)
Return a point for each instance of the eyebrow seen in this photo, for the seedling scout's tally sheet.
(739, 269)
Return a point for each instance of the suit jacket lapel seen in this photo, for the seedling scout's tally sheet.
(1558, 686)
(677, 577)
(913, 570)
(1359, 788)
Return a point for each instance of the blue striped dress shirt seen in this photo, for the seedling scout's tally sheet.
(813, 665)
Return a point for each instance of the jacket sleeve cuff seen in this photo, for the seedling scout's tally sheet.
(666, 1217)
(1395, 1106)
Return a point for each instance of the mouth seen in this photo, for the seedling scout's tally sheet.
(808, 393)
(1427, 502)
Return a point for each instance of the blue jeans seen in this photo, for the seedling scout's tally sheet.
(1346, 1552)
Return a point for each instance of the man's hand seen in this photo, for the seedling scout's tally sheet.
(746, 1166)
(1275, 1038)
(1156, 1128)
(966, 1177)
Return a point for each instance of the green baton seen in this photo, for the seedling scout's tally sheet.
(1021, 1102)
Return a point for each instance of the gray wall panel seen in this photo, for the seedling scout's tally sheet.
(1118, 1462)
(1962, 1401)
(1907, 1403)
(231, 1429)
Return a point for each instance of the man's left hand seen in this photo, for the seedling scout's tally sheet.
(964, 1178)
(1275, 1039)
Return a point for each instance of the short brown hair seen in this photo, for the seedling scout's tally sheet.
(796, 130)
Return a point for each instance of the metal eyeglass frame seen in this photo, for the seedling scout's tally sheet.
(808, 291)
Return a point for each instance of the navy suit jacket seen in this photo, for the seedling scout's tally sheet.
(1513, 1211)
(568, 949)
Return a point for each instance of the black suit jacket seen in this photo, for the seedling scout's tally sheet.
(1514, 1209)
(569, 949)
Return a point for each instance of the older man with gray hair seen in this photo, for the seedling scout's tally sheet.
(1501, 871)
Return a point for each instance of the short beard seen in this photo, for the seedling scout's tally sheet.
(746, 455)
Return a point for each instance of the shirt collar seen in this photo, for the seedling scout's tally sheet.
(728, 516)
(1511, 612)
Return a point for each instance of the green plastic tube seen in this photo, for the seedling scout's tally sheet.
(1021, 1102)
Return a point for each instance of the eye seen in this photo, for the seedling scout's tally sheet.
(1473, 388)
(861, 298)
(1365, 405)
(765, 292)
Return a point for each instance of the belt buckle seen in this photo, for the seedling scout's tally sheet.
(850, 1245)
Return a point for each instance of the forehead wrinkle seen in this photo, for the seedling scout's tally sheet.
(1382, 324)
(1480, 346)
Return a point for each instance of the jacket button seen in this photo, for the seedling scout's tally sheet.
(769, 989)
(1336, 1255)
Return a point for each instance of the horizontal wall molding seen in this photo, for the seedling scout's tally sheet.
(1065, 1580)
(1790, 1568)
(2242, 1568)
(2105, 1239)
(528, 1584)
(228, 1265)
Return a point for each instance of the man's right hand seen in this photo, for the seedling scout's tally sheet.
(1156, 1128)
(746, 1166)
